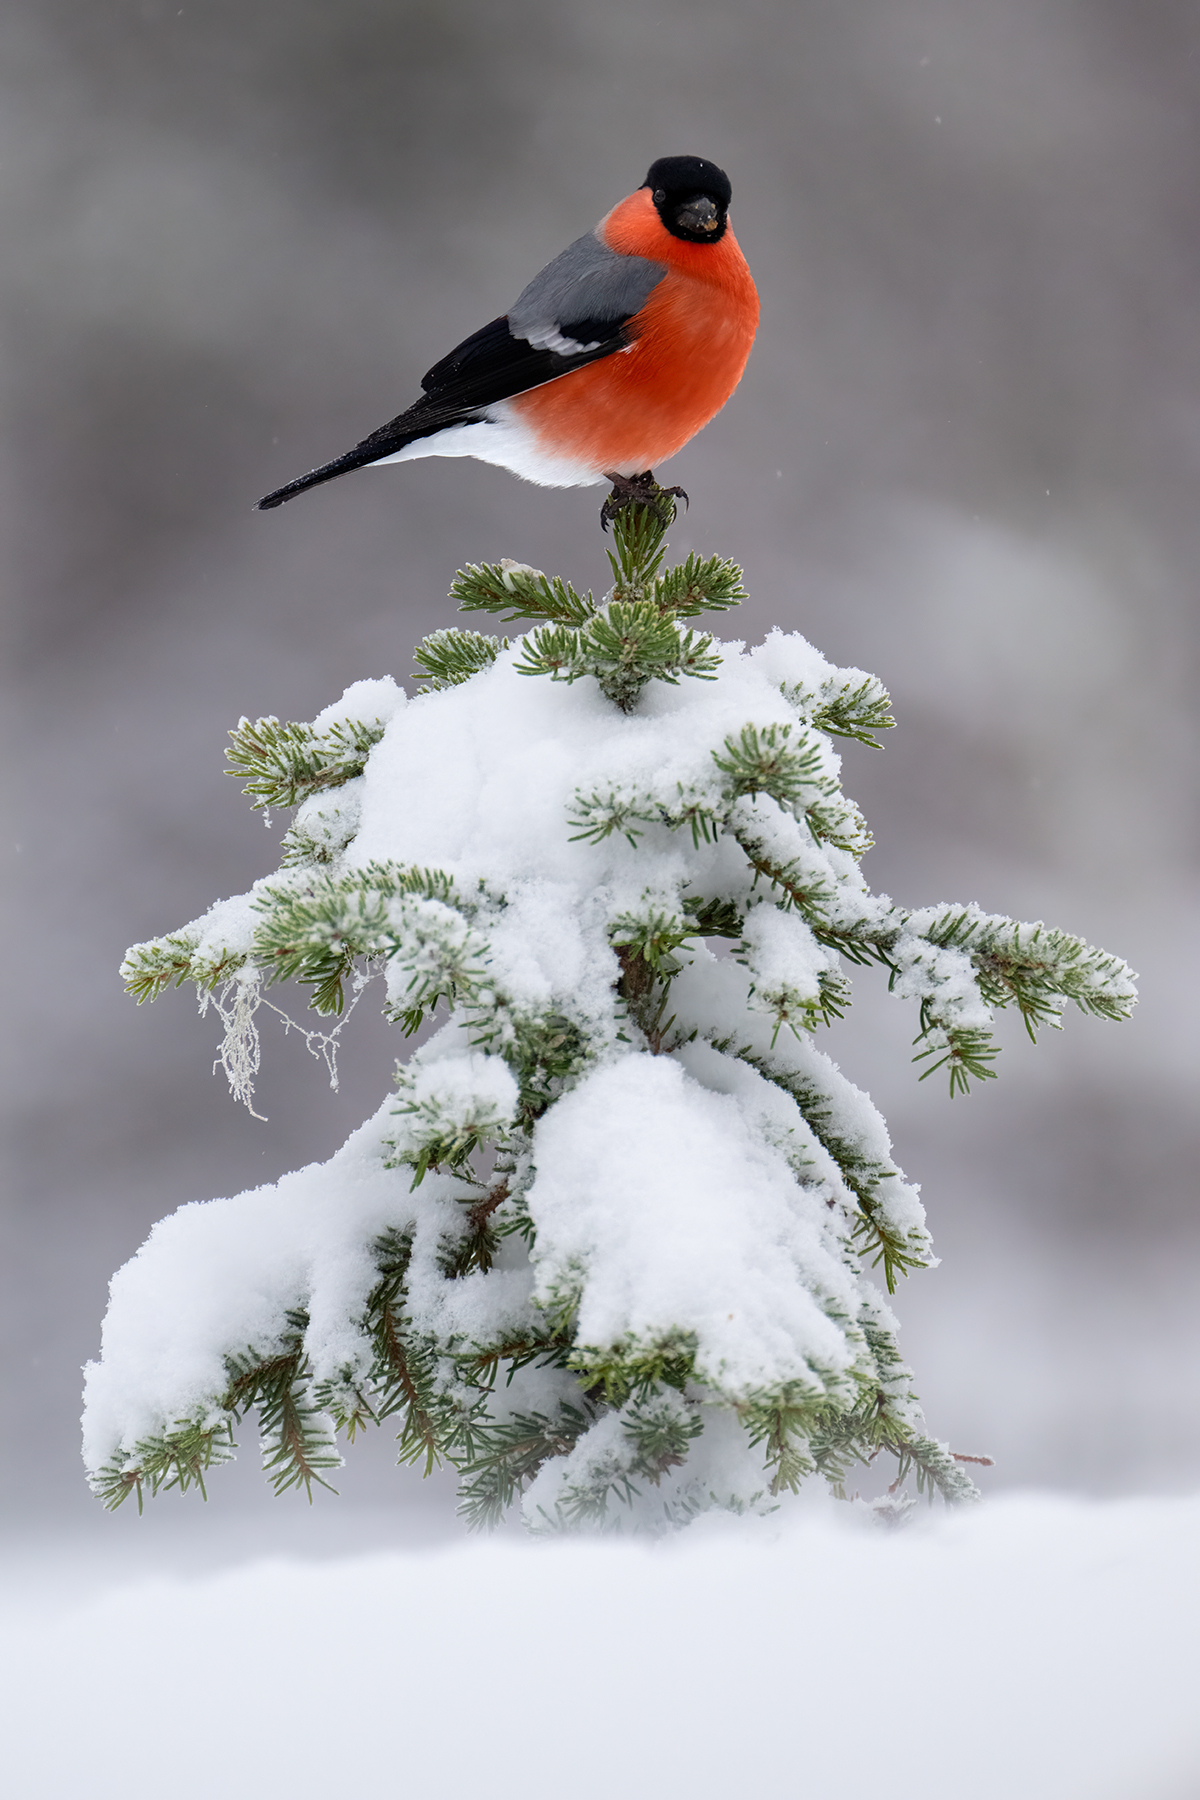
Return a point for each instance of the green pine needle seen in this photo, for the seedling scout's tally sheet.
(447, 658)
(518, 592)
(767, 761)
(711, 584)
(288, 762)
(854, 712)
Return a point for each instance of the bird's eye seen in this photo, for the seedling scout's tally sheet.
(660, 195)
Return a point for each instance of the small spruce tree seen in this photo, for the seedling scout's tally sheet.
(605, 1248)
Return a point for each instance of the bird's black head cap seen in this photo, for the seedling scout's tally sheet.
(691, 196)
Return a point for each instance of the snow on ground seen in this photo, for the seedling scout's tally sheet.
(1032, 1649)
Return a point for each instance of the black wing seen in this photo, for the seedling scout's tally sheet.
(494, 365)
(575, 312)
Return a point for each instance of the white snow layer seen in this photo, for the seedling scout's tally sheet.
(479, 779)
(369, 701)
(1035, 1649)
(657, 1205)
(214, 1278)
(680, 1195)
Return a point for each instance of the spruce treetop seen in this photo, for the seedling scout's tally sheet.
(608, 1247)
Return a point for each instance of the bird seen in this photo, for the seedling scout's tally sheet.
(610, 360)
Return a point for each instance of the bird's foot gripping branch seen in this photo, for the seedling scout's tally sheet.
(641, 490)
(608, 1248)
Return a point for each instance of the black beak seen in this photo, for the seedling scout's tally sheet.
(699, 215)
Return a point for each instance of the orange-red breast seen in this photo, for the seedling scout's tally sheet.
(616, 354)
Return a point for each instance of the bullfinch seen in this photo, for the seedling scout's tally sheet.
(612, 358)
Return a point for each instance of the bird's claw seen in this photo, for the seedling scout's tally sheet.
(640, 490)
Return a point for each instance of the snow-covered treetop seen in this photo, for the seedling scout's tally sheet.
(605, 1244)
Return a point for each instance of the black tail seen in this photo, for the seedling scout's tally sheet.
(421, 420)
(354, 459)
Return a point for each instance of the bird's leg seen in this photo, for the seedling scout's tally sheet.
(639, 490)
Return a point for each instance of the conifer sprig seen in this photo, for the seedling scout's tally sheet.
(296, 1435)
(177, 1459)
(635, 1369)
(801, 883)
(700, 584)
(800, 1010)
(403, 1373)
(1034, 967)
(297, 1438)
(634, 638)
(546, 1051)
(170, 961)
(433, 1139)
(656, 1433)
(713, 916)
(845, 709)
(881, 1420)
(315, 934)
(623, 647)
(407, 1376)
(767, 761)
(509, 1454)
(288, 762)
(937, 1469)
(655, 936)
(597, 816)
(639, 545)
(660, 1428)
(515, 591)
(951, 960)
(966, 1052)
(318, 838)
(448, 658)
(781, 1424)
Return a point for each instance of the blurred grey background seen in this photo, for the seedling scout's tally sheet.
(965, 456)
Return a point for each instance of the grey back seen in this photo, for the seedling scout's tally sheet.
(587, 284)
